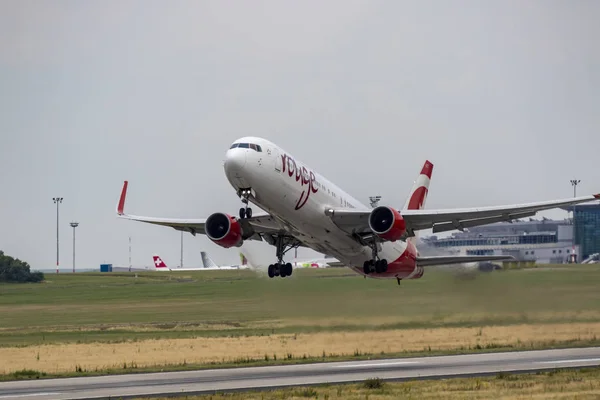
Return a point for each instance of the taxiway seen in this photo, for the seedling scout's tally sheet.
(236, 379)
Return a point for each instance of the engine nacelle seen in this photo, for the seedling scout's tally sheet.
(224, 230)
(387, 223)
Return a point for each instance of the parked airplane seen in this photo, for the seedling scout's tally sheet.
(305, 209)
(210, 264)
(316, 263)
(161, 266)
(324, 262)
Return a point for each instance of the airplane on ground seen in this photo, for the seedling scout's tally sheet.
(247, 264)
(160, 265)
(296, 262)
(210, 264)
(324, 262)
(303, 208)
(316, 263)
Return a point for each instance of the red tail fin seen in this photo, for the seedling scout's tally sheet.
(159, 263)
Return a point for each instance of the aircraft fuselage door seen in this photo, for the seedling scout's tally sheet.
(278, 162)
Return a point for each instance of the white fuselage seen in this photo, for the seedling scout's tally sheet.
(297, 197)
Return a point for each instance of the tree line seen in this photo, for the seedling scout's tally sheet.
(15, 270)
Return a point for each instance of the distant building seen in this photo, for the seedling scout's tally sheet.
(587, 228)
(543, 241)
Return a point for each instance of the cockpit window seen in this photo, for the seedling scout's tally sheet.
(252, 146)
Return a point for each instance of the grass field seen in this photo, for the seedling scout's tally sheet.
(565, 384)
(99, 321)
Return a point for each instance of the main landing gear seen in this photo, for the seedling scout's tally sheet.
(245, 212)
(375, 264)
(280, 268)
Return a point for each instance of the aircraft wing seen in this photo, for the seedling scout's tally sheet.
(443, 260)
(259, 224)
(357, 221)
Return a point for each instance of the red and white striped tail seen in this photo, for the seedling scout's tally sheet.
(418, 194)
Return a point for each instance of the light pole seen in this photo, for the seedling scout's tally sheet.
(574, 183)
(57, 201)
(181, 261)
(74, 225)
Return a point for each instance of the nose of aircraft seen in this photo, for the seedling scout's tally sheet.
(235, 160)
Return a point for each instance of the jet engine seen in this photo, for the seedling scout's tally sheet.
(387, 223)
(224, 230)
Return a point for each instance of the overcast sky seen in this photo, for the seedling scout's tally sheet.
(502, 96)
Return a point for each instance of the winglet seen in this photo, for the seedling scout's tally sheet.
(121, 205)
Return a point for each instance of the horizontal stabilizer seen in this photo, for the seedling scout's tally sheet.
(443, 260)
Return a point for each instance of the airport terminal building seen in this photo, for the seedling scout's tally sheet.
(587, 228)
(542, 241)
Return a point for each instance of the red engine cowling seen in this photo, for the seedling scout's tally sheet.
(224, 230)
(387, 223)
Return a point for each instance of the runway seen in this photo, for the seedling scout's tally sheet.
(205, 381)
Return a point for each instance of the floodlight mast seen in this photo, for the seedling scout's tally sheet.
(57, 201)
(74, 225)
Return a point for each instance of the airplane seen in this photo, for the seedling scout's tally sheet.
(160, 265)
(296, 262)
(324, 262)
(303, 208)
(316, 263)
(247, 264)
(210, 264)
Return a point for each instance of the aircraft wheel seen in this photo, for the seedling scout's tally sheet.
(282, 270)
(384, 265)
(367, 267)
(242, 213)
(249, 213)
(378, 266)
(289, 269)
(271, 271)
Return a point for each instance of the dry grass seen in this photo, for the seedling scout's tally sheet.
(58, 358)
(571, 384)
